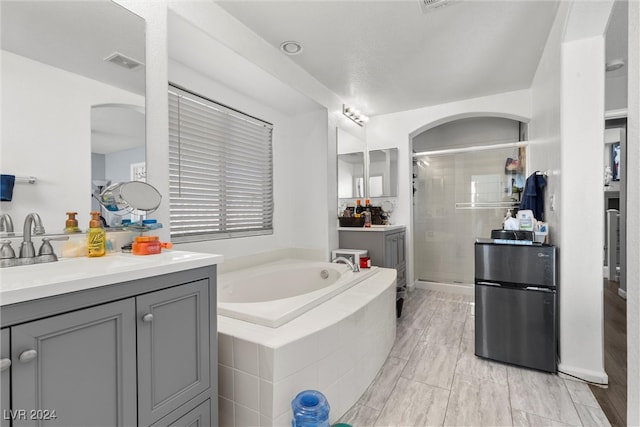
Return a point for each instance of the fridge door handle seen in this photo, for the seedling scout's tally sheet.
(535, 288)
(489, 284)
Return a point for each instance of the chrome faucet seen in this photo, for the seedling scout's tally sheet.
(6, 223)
(354, 267)
(26, 249)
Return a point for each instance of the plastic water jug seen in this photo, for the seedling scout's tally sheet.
(310, 409)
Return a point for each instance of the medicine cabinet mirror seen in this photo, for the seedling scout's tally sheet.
(351, 182)
(79, 67)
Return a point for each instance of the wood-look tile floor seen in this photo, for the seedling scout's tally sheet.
(433, 378)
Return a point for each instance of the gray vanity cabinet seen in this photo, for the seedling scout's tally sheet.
(386, 247)
(394, 250)
(139, 353)
(76, 369)
(199, 416)
(173, 349)
(5, 375)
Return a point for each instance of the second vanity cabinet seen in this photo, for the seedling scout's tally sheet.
(386, 246)
(134, 356)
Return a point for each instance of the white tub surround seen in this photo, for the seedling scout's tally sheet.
(336, 347)
(24, 283)
(273, 294)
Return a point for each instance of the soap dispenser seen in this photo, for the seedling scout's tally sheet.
(71, 225)
(96, 237)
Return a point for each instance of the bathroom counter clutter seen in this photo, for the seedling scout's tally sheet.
(24, 283)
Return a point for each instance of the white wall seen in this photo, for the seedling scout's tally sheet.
(41, 139)
(582, 131)
(544, 129)
(582, 156)
(309, 183)
(397, 129)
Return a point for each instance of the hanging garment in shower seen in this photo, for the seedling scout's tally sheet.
(533, 196)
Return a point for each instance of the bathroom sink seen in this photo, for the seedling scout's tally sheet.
(107, 262)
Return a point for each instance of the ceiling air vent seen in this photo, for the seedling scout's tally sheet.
(431, 5)
(123, 61)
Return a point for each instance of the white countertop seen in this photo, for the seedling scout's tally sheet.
(372, 228)
(24, 283)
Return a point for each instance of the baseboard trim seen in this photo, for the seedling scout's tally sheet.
(452, 288)
(622, 293)
(596, 377)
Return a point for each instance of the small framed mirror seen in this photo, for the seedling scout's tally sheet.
(383, 173)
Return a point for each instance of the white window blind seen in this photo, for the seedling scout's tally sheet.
(220, 170)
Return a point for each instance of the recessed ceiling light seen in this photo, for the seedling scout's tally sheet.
(291, 47)
(613, 65)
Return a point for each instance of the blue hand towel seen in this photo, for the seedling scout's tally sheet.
(6, 187)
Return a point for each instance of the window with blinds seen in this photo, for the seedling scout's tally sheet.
(220, 170)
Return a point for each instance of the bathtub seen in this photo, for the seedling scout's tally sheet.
(283, 328)
(273, 294)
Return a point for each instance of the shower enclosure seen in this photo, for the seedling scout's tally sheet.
(460, 195)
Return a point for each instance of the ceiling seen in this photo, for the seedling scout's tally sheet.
(386, 56)
(380, 56)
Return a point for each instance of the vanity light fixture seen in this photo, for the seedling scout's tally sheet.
(291, 47)
(355, 115)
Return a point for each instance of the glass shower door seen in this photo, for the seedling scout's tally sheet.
(459, 197)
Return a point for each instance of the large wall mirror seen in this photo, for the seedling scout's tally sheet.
(351, 169)
(73, 85)
(364, 174)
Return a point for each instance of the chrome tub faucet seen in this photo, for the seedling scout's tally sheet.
(354, 267)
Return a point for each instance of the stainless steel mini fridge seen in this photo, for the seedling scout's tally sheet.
(515, 304)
